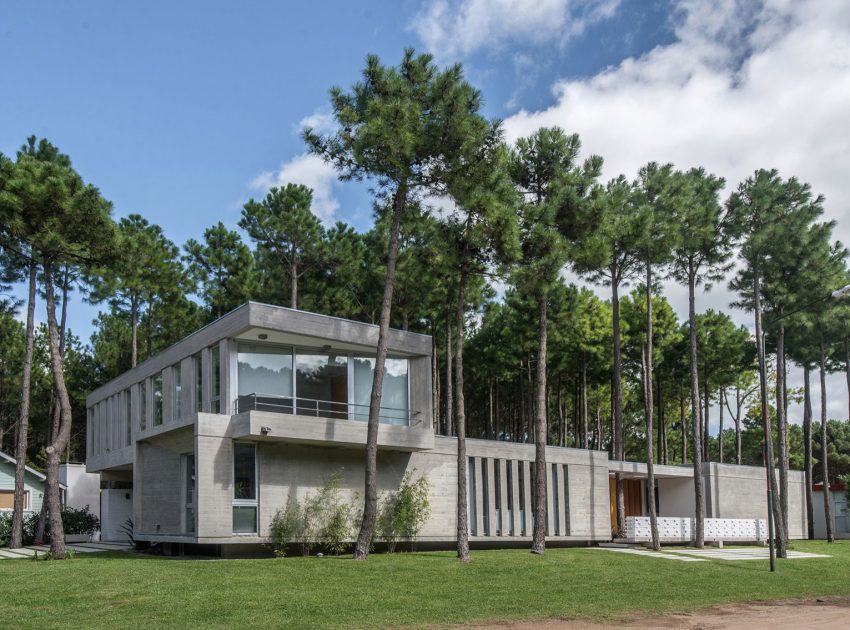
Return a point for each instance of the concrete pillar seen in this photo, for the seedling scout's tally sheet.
(206, 371)
(491, 496)
(506, 508)
(515, 465)
(479, 497)
(551, 530)
(527, 491)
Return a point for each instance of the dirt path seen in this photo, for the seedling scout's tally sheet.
(827, 612)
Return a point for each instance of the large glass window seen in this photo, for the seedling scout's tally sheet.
(189, 493)
(244, 489)
(265, 378)
(215, 380)
(394, 398)
(157, 400)
(177, 388)
(321, 384)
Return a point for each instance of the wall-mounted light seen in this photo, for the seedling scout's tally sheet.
(265, 430)
(262, 336)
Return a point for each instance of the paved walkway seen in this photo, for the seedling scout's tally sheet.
(90, 547)
(701, 555)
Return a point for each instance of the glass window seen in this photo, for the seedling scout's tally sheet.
(199, 382)
(157, 400)
(178, 390)
(143, 405)
(244, 489)
(215, 380)
(128, 416)
(321, 384)
(394, 399)
(189, 490)
(244, 519)
(264, 375)
(244, 472)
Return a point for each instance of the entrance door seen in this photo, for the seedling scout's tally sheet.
(631, 498)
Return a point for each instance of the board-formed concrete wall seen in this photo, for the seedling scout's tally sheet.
(741, 492)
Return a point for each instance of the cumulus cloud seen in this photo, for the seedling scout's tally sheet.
(744, 85)
(319, 122)
(309, 170)
(456, 29)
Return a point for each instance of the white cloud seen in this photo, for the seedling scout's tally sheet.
(449, 30)
(309, 170)
(319, 122)
(745, 85)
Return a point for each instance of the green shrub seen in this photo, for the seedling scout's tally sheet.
(323, 518)
(74, 521)
(404, 512)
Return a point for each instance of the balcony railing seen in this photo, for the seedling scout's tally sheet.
(321, 408)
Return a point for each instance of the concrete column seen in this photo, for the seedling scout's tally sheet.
(527, 482)
(167, 396)
(564, 485)
(138, 463)
(479, 497)
(515, 491)
(187, 386)
(228, 366)
(491, 495)
(206, 387)
(551, 530)
(506, 508)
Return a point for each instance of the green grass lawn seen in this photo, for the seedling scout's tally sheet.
(118, 590)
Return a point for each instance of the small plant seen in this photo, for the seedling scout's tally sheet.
(404, 512)
(129, 529)
(323, 518)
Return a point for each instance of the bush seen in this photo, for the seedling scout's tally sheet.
(324, 518)
(74, 521)
(404, 512)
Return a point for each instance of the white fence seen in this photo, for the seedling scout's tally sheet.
(675, 529)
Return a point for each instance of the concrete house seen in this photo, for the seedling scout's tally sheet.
(204, 442)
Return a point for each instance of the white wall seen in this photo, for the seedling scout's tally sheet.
(116, 506)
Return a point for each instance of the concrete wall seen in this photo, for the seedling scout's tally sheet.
(116, 506)
(157, 483)
(676, 497)
(740, 492)
(83, 487)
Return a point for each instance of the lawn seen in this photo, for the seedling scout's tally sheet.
(124, 590)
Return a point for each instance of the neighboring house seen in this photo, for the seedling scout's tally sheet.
(838, 507)
(205, 441)
(33, 486)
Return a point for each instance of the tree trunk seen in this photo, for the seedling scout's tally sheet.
(847, 372)
(659, 438)
(807, 448)
(706, 452)
(782, 431)
(649, 405)
(370, 501)
(617, 405)
(696, 421)
(738, 403)
(684, 430)
(460, 417)
(54, 450)
(721, 397)
(768, 439)
(538, 543)
(562, 440)
(134, 331)
(435, 381)
(584, 417)
(16, 537)
(824, 452)
(449, 378)
(293, 278)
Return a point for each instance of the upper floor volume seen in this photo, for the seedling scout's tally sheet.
(280, 373)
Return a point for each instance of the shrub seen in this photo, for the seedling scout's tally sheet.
(324, 518)
(404, 512)
(74, 521)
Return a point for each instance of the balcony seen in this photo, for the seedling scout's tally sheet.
(265, 417)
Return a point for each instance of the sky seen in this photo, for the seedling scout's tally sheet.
(183, 111)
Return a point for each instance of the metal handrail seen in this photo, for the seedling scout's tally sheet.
(293, 406)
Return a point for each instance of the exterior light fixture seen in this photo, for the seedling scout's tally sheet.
(262, 336)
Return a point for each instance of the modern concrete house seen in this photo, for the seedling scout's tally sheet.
(204, 442)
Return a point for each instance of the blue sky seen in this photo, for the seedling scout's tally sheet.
(182, 111)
